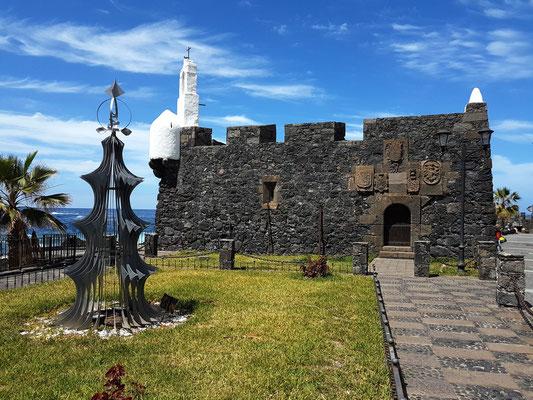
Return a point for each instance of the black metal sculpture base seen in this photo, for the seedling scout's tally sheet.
(110, 278)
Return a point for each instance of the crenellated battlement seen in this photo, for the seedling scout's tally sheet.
(315, 132)
(251, 134)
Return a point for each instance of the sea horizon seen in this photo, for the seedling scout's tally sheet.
(69, 215)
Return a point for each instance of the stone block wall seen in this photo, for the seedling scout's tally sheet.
(215, 191)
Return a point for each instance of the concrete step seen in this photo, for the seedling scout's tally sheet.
(405, 255)
(397, 248)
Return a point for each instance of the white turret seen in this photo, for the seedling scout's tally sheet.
(165, 130)
(165, 137)
(188, 100)
(475, 96)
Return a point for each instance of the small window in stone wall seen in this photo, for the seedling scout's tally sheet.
(269, 191)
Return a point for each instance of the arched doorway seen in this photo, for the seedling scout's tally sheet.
(397, 226)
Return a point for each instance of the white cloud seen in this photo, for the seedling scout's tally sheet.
(43, 86)
(142, 92)
(354, 131)
(332, 29)
(516, 177)
(460, 53)
(404, 27)
(505, 9)
(408, 47)
(512, 125)
(281, 29)
(497, 13)
(282, 92)
(230, 120)
(372, 114)
(150, 48)
(514, 131)
(73, 148)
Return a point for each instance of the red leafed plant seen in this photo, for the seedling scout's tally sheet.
(312, 269)
(115, 389)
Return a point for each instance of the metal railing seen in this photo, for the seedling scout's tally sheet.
(393, 361)
(48, 250)
(338, 264)
(31, 276)
(523, 307)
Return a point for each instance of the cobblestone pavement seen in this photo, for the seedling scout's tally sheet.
(393, 266)
(454, 342)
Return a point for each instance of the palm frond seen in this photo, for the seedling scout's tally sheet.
(28, 161)
(20, 185)
(53, 200)
(40, 218)
(39, 174)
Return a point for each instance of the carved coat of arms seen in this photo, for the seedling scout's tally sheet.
(395, 153)
(413, 180)
(381, 182)
(431, 172)
(364, 176)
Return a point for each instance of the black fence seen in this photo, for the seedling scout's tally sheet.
(46, 251)
(31, 276)
(210, 260)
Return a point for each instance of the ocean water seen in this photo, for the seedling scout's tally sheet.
(70, 215)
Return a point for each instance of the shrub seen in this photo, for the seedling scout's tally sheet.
(315, 268)
(115, 389)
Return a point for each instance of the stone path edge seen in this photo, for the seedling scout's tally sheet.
(397, 382)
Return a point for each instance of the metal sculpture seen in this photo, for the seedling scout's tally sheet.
(110, 278)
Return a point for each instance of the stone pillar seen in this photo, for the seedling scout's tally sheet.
(422, 258)
(150, 244)
(487, 254)
(509, 269)
(360, 258)
(227, 254)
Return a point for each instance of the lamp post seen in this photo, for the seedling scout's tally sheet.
(443, 136)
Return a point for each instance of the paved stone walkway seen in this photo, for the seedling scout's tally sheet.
(454, 342)
(391, 266)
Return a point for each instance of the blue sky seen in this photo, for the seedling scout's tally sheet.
(259, 62)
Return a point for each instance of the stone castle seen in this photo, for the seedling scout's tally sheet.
(392, 188)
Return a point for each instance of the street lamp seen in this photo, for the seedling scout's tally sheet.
(442, 136)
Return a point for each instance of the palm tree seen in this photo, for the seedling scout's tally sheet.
(23, 202)
(503, 200)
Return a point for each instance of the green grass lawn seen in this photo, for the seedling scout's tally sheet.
(440, 268)
(254, 335)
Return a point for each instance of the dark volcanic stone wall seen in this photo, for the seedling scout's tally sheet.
(215, 189)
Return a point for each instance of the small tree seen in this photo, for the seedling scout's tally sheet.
(504, 202)
(23, 202)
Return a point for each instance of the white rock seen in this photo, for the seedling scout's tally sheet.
(475, 96)
(188, 100)
(165, 137)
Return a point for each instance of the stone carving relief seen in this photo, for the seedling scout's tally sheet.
(395, 154)
(431, 172)
(413, 180)
(381, 182)
(364, 177)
